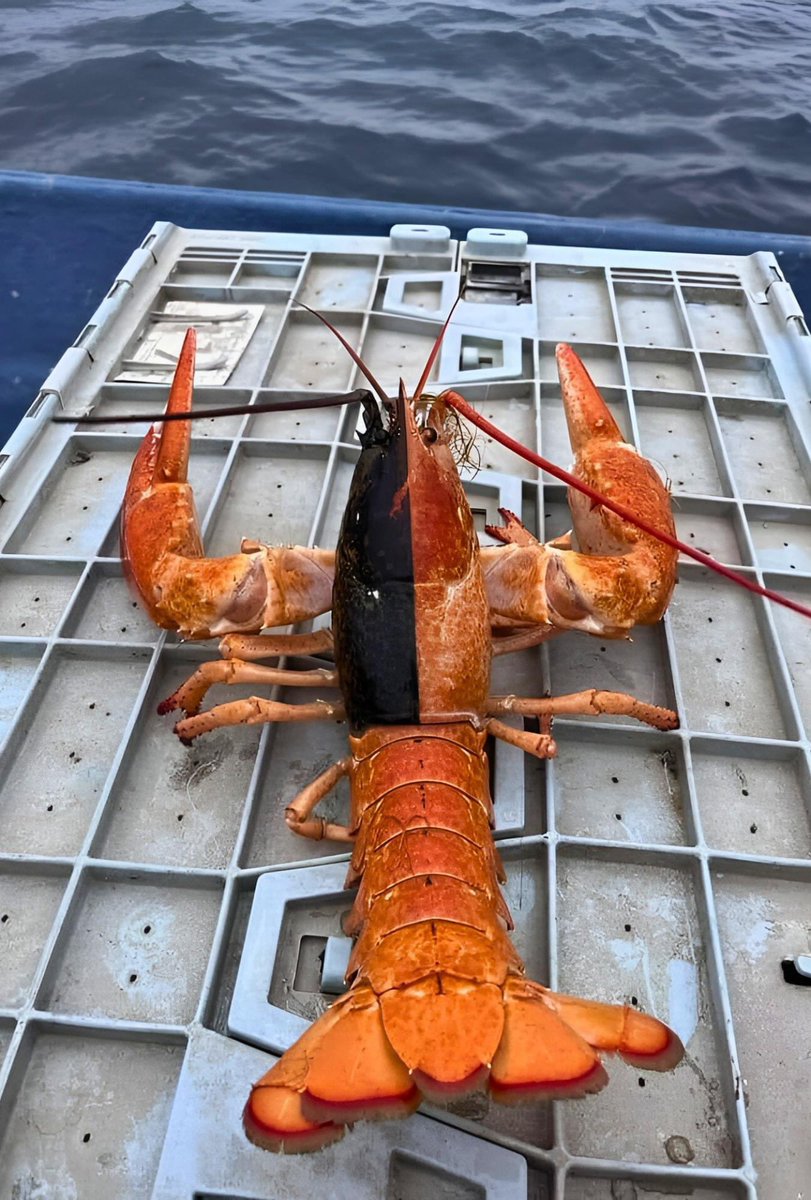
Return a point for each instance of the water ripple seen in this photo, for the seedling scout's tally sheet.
(692, 114)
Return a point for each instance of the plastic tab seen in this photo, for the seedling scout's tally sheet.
(498, 243)
(434, 239)
(432, 295)
(336, 961)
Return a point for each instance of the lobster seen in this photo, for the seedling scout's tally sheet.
(438, 1004)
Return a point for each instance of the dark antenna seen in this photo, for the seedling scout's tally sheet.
(235, 410)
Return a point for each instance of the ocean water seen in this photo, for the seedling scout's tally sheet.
(692, 113)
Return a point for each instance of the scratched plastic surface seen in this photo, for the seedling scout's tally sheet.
(669, 871)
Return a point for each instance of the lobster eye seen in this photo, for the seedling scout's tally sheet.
(429, 434)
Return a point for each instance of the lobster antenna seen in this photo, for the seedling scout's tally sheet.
(351, 351)
(235, 410)
(456, 401)
(435, 350)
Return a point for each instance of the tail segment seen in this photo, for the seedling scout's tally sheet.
(439, 1005)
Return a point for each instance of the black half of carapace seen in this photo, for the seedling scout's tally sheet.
(373, 593)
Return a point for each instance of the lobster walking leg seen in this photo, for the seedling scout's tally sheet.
(190, 695)
(255, 711)
(541, 745)
(523, 640)
(251, 649)
(592, 703)
(297, 814)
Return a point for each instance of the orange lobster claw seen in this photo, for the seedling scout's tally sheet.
(163, 553)
(619, 576)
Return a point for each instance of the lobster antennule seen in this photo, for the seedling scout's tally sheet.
(426, 371)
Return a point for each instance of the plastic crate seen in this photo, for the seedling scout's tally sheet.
(669, 871)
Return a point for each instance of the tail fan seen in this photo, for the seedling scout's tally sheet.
(373, 1057)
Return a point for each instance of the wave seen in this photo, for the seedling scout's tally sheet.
(692, 114)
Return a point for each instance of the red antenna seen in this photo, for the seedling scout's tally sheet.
(435, 350)
(351, 351)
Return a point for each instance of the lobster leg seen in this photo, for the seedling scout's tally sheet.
(298, 811)
(523, 640)
(162, 549)
(592, 703)
(542, 745)
(253, 648)
(620, 576)
(255, 711)
(189, 696)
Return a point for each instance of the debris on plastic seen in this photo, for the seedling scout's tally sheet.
(223, 332)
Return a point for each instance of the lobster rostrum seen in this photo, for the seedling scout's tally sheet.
(438, 1003)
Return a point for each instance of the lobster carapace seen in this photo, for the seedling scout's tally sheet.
(408, 581)
(438, 1003)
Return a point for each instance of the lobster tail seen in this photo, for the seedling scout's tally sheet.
(274, 1120)
(439, 1005)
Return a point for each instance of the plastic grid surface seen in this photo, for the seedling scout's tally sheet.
(669, 871)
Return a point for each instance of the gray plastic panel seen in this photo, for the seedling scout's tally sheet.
(669, 871)
(206, 1153)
